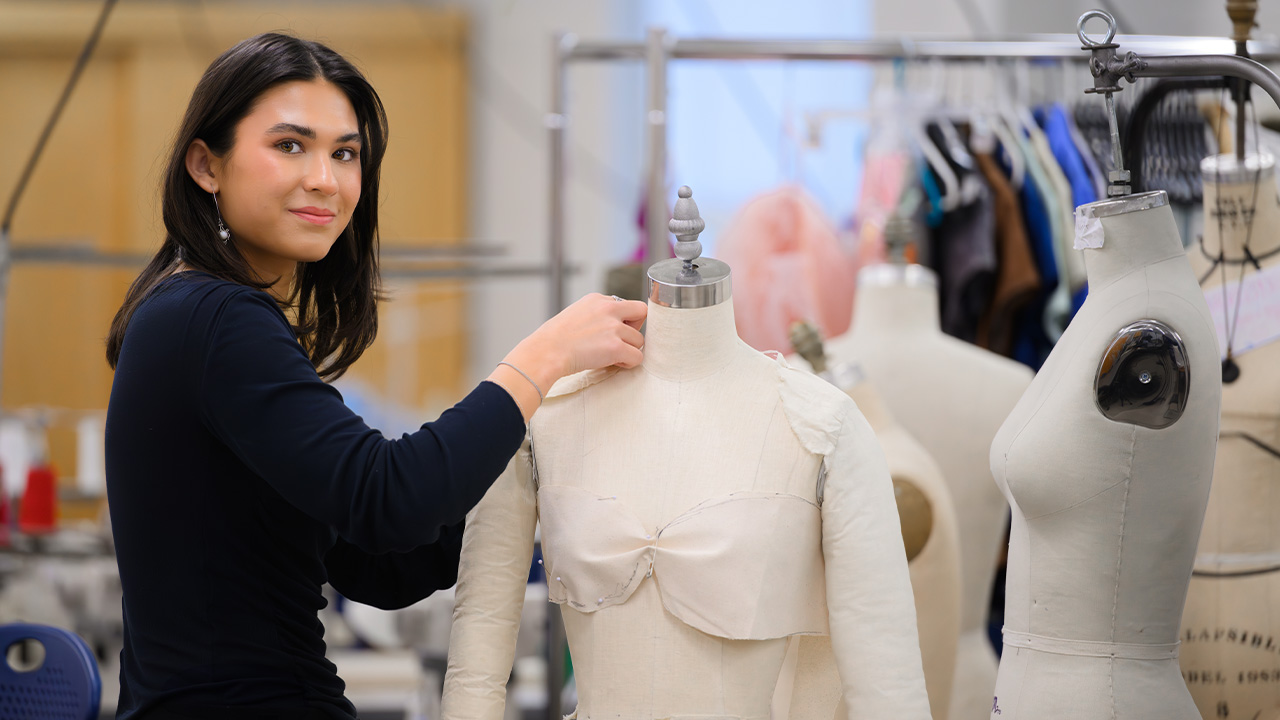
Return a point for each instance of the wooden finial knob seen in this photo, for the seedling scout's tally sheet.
(1242, 13)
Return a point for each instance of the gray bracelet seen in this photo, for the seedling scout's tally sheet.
(526, 377)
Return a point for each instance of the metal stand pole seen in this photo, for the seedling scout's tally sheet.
(556, 120)
(657, 50)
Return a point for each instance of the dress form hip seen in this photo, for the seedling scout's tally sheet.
(1230, 629)
(1106, 514)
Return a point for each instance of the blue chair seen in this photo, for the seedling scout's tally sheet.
(66, 686)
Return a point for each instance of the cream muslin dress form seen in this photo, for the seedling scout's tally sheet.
(935, 579)
(1106, 514)
(951, 397)
(1231, 626)
(684, 540)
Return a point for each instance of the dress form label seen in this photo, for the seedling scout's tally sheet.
(1259, 312)
(1088, 231)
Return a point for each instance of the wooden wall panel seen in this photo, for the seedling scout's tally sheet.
(98, 182)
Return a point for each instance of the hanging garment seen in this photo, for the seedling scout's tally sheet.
(884, 176)
(1031, 343)
(1057, 312)
(1057, 127)
(1096, 176)
(1017, 283)
(787, 266)
(963, 247)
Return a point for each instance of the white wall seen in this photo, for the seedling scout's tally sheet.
(511, 70)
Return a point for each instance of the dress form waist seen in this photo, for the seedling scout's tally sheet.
(1090, 648)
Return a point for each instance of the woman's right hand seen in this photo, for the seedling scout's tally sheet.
(596, 331)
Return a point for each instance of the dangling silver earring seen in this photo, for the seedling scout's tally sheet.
(223, 232)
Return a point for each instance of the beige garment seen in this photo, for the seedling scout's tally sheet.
(696, 448)
(1106, 514)
(1231, 626)
(951, 397)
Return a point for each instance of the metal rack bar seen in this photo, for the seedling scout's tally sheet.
(659, 49)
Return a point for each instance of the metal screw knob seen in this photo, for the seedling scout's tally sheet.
(686, 224)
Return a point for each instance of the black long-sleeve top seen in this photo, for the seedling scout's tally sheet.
(239, 483)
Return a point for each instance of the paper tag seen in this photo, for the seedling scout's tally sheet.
(1088, 231)
(1259, 312)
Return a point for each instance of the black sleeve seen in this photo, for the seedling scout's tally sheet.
(395, 580)
(261, 396)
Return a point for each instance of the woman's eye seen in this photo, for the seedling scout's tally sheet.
(346, 154)
(289, 146)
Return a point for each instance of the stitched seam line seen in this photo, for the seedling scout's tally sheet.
(1115, 597)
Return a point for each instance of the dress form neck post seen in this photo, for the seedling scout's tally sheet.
(1132, 240)
(892, 300)
(1237, 196)
(689, 343)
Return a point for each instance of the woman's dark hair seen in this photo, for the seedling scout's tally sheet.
(335, 298)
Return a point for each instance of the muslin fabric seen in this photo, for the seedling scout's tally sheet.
(684, 560)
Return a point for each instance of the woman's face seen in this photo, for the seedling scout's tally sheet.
(288, 186)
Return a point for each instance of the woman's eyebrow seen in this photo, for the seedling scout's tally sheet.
(285, 127)
(308, 133)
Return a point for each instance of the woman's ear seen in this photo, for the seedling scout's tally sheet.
(200, 165)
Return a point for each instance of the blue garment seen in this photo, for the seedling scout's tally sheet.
(1058, 129)
(1057, 126)
(239, 483)
(1031, 344)
(934, 195)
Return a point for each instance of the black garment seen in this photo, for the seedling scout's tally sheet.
(239, 483)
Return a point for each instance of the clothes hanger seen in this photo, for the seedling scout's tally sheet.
(1004, 130)
(933, 157)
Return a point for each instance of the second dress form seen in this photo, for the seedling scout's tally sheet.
(1107, 512)
(1231, 626)
(951, 397)
(932, 541)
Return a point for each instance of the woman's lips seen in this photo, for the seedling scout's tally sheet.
(315, 216)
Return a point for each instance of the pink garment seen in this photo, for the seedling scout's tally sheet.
(787, 266)
(883, 178)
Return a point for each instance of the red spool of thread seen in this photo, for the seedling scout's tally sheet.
(38, 513)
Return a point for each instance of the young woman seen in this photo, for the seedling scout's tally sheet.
(238, 481)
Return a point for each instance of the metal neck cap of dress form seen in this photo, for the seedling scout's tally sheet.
(688, 280)
(900, 232)
(1256, 167)
(1124, 204)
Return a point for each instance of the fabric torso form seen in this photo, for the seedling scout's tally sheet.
(1106, 514)
(951, 397)
(685, 542)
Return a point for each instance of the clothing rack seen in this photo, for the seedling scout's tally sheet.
(660, 48)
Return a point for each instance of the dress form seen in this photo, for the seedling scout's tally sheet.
(1106, 513)
(928, 526)
(951, 397)
(650, 485)
(1235, 588)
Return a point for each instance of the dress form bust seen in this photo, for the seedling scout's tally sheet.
(1235, 588)
(928, 522)
(683, 534)
(951, 397)
(1106, 461)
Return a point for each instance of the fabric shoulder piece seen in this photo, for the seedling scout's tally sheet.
(814, 407)
(571, 384)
